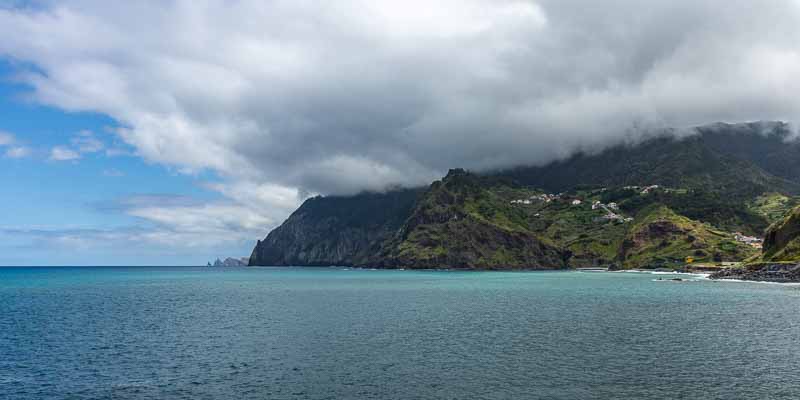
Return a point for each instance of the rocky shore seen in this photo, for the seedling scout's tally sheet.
(764, 272)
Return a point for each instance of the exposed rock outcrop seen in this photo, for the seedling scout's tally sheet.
(782, 240)
(345, 231)
(230, 262)
(762, 272)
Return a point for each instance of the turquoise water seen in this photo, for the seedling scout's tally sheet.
(283, 333)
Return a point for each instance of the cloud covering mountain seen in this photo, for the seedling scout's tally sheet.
(288, 97)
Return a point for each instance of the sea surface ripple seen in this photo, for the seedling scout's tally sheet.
(315, 333)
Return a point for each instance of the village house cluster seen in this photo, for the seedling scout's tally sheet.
(597, 205)
(643, 189)
(547, 198)
(749, 240)
(611, 214)
(611, 209)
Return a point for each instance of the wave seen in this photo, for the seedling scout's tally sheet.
(747, 281)
(643, 271)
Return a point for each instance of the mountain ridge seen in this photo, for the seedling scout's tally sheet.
(708, 182)
(680, 161)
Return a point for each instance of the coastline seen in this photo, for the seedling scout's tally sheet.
(773, 272)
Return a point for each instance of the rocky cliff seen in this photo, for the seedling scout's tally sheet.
(762, 272)
(336, 230)
(782, 240)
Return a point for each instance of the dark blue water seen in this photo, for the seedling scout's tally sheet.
(278, 333)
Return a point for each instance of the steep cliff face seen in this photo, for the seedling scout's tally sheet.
(336, 230)
(782, 240)
(456, 224)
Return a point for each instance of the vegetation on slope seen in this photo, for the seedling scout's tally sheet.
(662, 238)
(780, 259)
(716, 209)
(782, 241)
(772, 206)
(462, 223)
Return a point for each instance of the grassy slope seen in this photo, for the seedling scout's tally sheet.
(713, 208)
(559, 223)
(465, 222)
(773, 206)
(660, 237)
(453, 216)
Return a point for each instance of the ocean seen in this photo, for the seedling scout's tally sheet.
(338, 333)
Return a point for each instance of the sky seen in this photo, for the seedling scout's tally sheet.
(174, 132)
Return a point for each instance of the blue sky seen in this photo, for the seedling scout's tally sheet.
(45, 200)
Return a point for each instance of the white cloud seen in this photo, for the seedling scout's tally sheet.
(12, 147)
(273, 199)
(177, 225)
(306, 97)
(185, 222)
(6, 138)
(83, 142)
(61, 153)
(18, 152)
(204, 218)
(86, 142)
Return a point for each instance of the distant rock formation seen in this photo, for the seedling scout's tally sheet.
(230, 262)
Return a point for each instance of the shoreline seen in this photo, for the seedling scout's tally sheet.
(698, 277)
(695, 276)
(773, 272)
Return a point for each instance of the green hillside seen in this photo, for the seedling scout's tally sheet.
(662, 238)
(464, 222)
